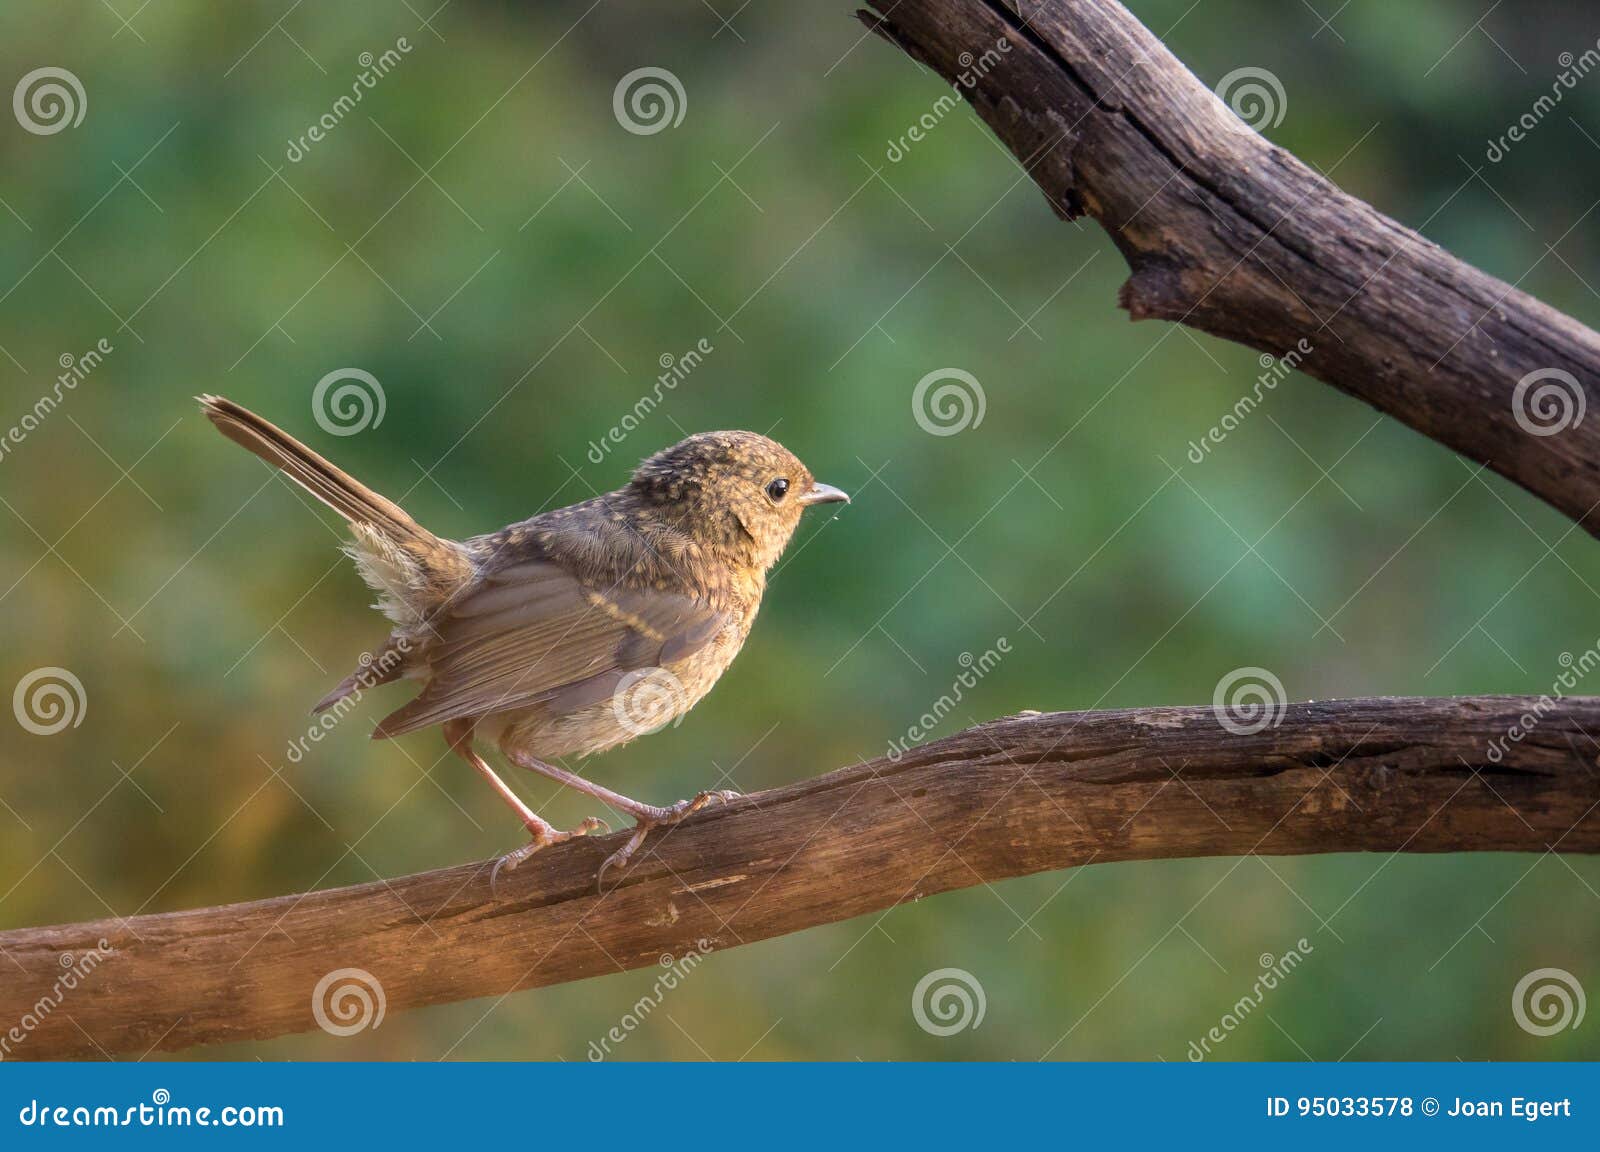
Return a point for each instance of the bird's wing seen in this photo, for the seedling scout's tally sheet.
(531, 633)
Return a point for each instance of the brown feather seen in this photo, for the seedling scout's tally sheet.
(334, 487)
(483, 663)
(413, 570)
(530, 634)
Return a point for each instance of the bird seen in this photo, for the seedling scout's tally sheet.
(573, 631)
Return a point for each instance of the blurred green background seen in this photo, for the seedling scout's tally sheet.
(483, 236)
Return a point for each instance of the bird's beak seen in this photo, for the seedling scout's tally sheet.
(824, 494)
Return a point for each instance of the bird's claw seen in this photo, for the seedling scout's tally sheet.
(619, 859)
(672, 814)
(715, 796)
(541, 839)
(509, 862)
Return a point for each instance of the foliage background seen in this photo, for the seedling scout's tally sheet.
(1055, 523)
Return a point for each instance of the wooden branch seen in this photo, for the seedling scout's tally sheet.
(1012, 797)
(1233, 236)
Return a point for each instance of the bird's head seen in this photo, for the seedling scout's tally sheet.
(737, 493)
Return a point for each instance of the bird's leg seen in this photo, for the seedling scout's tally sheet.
(646, 816)
(543, 833)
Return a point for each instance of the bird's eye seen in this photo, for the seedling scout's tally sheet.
(778, 489)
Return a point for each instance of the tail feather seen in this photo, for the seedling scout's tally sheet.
(334, 487)
(413, 570)
(384, 666)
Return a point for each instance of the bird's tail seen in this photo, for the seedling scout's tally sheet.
(337, 489)
(412, 569)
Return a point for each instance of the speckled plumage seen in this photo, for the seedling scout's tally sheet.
(577, 629)
(692, 536)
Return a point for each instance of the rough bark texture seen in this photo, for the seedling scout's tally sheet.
(1015, 796)
(1234, 236)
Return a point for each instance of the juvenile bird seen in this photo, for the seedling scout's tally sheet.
(575, 630)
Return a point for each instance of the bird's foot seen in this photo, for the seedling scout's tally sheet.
(543, 836)
(661, 818)
(673, 813)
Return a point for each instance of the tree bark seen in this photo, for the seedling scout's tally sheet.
(1016, 796)
(1231, 235)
